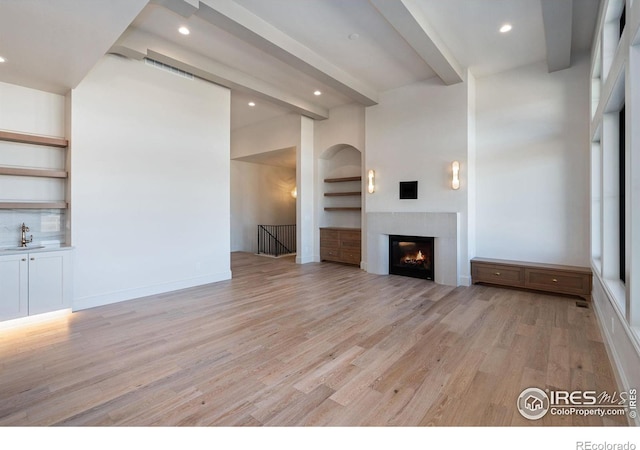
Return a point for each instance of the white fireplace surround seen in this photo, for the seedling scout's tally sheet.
(443, 227)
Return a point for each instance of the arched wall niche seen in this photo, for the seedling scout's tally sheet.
(336, 162)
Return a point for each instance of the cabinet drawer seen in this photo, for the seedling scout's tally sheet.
(340, 245)
(548, 280)
(350, 235)
(349, 256)
(497, 274)
(329, 254)
(350, 244)
(330, 243)
(329, 235)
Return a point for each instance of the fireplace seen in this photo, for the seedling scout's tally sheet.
(411, 256)
(445, 229)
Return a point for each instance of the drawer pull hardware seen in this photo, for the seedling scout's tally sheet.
(554, 280)
(33, 259)
(24, 259)
(497, 274)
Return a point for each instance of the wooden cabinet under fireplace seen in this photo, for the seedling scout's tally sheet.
(340, 245)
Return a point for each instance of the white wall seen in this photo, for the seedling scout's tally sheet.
(31, 111)
(622, 346)
(273, 134)
(260, 195)
(345, 125)
(150, 187)
(533, 165)
(414, 134)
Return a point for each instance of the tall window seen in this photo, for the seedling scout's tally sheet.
(621, 190)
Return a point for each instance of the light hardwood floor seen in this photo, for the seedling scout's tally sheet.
(304, 345)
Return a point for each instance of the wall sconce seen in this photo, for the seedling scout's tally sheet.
(294, 192)
(371, 183)
(455, 179)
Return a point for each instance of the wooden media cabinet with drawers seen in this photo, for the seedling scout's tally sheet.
(551, 278)
(340, 245)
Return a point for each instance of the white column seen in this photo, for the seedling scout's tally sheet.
(611, 234)
(469, 178)
(596, 206)
(632, 112)
(305, 200)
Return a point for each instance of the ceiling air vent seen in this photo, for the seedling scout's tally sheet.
(168, 68)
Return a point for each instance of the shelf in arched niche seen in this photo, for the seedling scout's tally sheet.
(341, 169)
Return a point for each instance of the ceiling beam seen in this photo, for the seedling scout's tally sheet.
(633, 22)
(412, 24)
(186, 8)
(136, 44)
(245, 25)
(557, 16)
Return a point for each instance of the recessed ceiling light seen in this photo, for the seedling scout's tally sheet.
(184, 30)
(505, 28)
(354, 36)
(317, 93)
(2, 59)
(251, 104)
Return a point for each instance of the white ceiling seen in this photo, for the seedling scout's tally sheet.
(471, 31)
(277, 52)
(51, 45)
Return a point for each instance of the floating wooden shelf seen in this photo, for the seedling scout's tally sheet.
(341, 180)
(343, 208)
(50, 173)
(342, 194)
(46, 141)
(33, 205)
(33, 139)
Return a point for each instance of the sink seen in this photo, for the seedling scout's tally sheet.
(12, 249)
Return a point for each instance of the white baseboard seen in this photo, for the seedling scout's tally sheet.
(305, 259)
(130, 294)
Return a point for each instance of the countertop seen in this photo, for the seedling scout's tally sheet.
(13, 251)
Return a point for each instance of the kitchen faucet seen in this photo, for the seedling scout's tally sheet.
(24, 241)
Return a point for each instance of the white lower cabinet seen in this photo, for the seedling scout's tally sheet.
(34, 283)
(14, 286)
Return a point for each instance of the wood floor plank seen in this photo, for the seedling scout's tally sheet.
(325, 370)
(558, 371)
(318, 344)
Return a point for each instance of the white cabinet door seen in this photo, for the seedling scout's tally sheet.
(49, 281)
(14, 287)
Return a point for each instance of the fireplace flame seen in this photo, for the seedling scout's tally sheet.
(414, 258)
